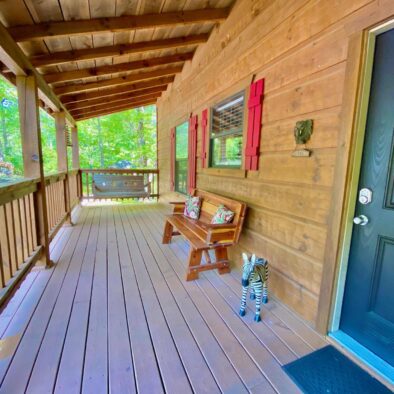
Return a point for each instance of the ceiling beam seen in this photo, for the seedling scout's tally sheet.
(104, 100)
(114, 110)
(116, 50)
(16, 61)
(116, 24)
(139, 86)
(69, 89)
(114, 104)
(116, 68)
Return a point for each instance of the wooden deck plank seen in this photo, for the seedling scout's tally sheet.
(18, 374)
(281, 336)
(264, 359)
(95, 373)
(146, 370)
(284, 323)
(194, 363)
(10, 309)
(121, 370)
(246, 368)
(225, 375)
(43, 376)
(69, 376)
(115, 315)
(171, 367)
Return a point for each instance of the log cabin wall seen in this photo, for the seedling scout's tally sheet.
(300, 47)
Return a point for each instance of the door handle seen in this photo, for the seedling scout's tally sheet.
(361, 220)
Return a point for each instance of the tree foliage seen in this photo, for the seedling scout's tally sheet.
(114, 140)
(125, 140)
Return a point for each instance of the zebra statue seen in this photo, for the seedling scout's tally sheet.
(255, 277)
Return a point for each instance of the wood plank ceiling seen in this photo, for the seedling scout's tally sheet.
(105, 56)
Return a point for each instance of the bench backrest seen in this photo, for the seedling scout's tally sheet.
(211, 202)
(118, 183)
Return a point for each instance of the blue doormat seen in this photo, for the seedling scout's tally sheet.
(328, 371)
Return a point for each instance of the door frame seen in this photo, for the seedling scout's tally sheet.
(362, 55)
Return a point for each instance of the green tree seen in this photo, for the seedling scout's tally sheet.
(112, 140)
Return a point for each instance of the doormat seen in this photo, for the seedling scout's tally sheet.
(329, 371)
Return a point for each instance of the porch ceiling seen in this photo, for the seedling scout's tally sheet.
(104, 48)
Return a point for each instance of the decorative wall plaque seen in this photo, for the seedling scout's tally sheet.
(302, 134)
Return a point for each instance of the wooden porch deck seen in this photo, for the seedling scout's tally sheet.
(116, 315)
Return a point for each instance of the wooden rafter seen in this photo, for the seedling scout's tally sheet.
(117, 68)
(115, 24)
(114, 110)
(114, 104)
(16, 61)
(128, 95)
(70, 89)
(116, 50)
(135, 87)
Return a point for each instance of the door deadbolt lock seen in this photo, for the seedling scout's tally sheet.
(365, 196)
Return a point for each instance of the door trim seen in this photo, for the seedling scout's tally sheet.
(366, 40)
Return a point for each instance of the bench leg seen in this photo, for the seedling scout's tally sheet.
(221, 255)
(194, 259)
(168, 228)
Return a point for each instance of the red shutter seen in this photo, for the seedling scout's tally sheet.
(252, 149)
(192, 153)
(204, 138)
(172, 159)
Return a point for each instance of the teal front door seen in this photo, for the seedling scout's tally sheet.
(368, 306)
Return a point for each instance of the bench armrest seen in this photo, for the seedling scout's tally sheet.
(179, 206)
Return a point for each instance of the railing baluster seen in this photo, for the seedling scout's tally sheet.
(2, 267)
(7, 231)
(28, 244)
(14, 234)
(21, 230)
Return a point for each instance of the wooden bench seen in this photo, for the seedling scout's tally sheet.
(204, 236)
(120, 186)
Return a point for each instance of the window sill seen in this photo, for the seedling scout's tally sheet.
(227, 172)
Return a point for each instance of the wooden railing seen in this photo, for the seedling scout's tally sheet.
(150, 180)
(75, 187)
(20, 241)
(26, 227)
(19, 245)
(56, 193)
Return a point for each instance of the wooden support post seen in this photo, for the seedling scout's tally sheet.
(62, 163)
(75, 159)
(32, 154)
(75, 148)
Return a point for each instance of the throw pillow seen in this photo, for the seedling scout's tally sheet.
(222, 215)
(192, 207)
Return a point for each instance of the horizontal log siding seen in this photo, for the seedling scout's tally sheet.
(300, 48)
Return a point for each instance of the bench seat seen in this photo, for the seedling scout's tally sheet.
(204, 236)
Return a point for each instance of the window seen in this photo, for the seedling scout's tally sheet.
(181, 157)
(226, 132)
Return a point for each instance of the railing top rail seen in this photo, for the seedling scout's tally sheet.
(17, 184)
(55, 177)
(120, 171)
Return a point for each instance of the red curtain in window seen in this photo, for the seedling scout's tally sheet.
(192, 153)
(172, 159)
(255, 110)
(204, 138)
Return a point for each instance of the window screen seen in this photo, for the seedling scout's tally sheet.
(226, 132)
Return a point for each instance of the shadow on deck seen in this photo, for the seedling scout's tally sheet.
(116, 315)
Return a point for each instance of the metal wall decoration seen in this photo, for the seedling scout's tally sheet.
(302, 134)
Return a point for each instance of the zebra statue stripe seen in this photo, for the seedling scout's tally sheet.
(255, 277)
